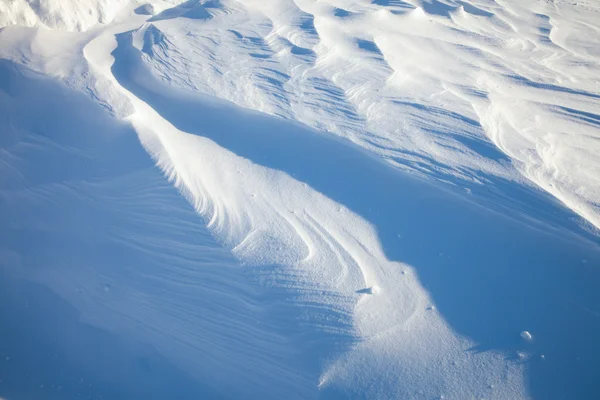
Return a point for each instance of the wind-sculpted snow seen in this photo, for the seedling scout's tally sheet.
(302, 265)
(86, 214)
(72, 15)
(459, 92)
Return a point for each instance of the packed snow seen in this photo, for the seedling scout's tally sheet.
(299, 199)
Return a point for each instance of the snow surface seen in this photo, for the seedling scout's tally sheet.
(381, 197)
(68, 15)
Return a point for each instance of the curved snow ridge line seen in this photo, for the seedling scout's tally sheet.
(71, 15)
(421, 358)
(323, 101)
(204, 312)
(269, 218)
(223, 196)
(533, 131)
(256, 212)
(213, 194)
(133, 257)
(219, 176)
(389, 64)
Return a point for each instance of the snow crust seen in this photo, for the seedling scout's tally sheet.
(362, 214)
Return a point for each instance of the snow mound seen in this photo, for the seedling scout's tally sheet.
(67, 15)
(322, 147)
(474, 98)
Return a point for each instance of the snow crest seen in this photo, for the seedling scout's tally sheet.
(363, 218)
(68, 15)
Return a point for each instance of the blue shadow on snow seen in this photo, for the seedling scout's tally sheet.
(490, 275)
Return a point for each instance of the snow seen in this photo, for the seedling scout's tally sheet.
(526, 336)
(69, 15)
(490, 104)
(376, 197)
(145, 9)
(370, 290)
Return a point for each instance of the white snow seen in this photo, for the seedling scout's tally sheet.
(526, 336)
(471, 98)
(69, 15)
(371, 196)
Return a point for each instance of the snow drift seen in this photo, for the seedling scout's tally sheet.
(360, 215)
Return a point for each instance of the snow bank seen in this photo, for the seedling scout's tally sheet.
(304, 265)
(474, 95)
(66, 15)
(331, 254)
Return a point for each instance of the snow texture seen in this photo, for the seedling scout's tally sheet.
(299, 199)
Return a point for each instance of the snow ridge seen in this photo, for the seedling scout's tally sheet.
(362, 222)
(472, 95)
(67, 15)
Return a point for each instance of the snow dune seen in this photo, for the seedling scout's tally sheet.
(327, 247)
(462, 93)
(135, 260)
(69, 15)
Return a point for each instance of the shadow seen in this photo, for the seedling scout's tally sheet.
(191, 9)
(435, 7)
(481, 146)
(491, 271)
(341, 13)
(393, 4)
(471, 9)
(236, 34)
(144, 9)
(111, 287)
(369, 290)
(551, 87)
(307, 23)
(579, 115)
(152, 37)
(47, 352)
(334, 94)
(301, 51)
(369, 46)
(257, 55)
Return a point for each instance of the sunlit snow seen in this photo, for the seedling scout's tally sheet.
(295, 199)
